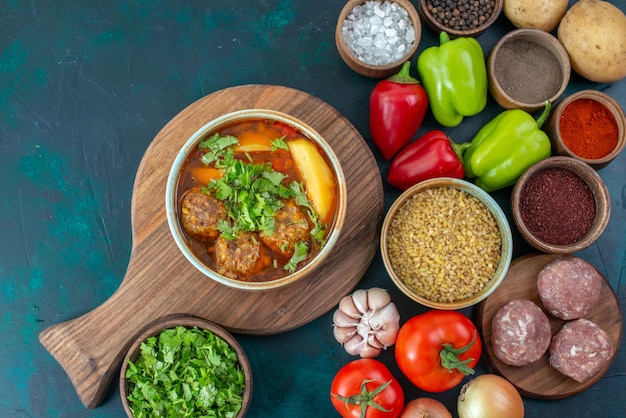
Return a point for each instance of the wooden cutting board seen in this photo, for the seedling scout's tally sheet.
(540, 380)
(160, 282)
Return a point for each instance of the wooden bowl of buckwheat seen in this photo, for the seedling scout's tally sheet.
(446, 243)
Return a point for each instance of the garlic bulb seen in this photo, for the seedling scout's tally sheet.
(366, 322)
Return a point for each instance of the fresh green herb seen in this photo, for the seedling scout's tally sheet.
(319, 231)
(253, 193)
(226, 229)
(302, 199)
(185, 372)
(279, 143)
(300, 252)
(217, 147)
(276, 179)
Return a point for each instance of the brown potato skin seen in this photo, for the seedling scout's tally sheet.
(593, 33)
(544, 15)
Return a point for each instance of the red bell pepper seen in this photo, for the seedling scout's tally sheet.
(430, 156)
(397, 108)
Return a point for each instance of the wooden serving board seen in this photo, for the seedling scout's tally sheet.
(161, 282)
(540, 380)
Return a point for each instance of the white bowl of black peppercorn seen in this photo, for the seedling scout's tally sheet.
(464, 18)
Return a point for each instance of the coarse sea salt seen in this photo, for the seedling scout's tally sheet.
(378, 32)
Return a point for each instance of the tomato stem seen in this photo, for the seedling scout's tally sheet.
(450, 360)
(365, 398)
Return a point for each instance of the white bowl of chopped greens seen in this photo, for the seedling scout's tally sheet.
(185, 366)
(256, 199)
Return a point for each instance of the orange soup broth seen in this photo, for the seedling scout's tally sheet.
(261, 132)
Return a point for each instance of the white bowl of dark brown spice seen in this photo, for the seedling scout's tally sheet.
(446, 243)
(375, 37)
(527, 67)
(560, 205)
(588, 125)
(460, 18)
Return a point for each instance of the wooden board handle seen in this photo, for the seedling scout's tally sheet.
(90, 349)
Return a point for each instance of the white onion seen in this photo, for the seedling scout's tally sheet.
(366, 322)
(490, 396)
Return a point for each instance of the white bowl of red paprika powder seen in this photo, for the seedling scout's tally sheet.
(560, 205)
(588, 125)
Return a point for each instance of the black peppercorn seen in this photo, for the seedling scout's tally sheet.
(461, 14)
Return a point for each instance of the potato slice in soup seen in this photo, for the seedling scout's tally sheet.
(317, 176)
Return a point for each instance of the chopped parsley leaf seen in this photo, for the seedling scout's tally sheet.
(279, 143)
(185, 372)
(226, 229)
(319, 231)
(217, 146)
(300, 252)
(253, 193)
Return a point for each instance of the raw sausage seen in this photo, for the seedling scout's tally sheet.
(520, 333)
(569, 287)
(580, 350)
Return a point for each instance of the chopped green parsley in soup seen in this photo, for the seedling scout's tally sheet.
(256, 200)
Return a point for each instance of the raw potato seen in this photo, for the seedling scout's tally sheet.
(593, 33)
(538, 14)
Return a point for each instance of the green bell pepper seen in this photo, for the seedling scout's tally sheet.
(505, 148)
(454, 75)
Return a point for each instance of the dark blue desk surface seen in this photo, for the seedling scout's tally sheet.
(85, 87)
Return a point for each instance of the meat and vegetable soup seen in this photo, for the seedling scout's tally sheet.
(256, 200)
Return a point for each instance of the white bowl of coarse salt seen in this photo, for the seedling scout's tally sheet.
(375, 37)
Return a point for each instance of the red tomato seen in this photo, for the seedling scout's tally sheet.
(366, 388)
(424, 338)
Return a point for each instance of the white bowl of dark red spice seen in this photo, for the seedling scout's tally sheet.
(446, 243)
(205, 371)
(588, 125)
(526, 68)
(256, 200)
(375, 37)
(461, 18)
(560, 205)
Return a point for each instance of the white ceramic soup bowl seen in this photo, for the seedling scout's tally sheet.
(172, 199)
